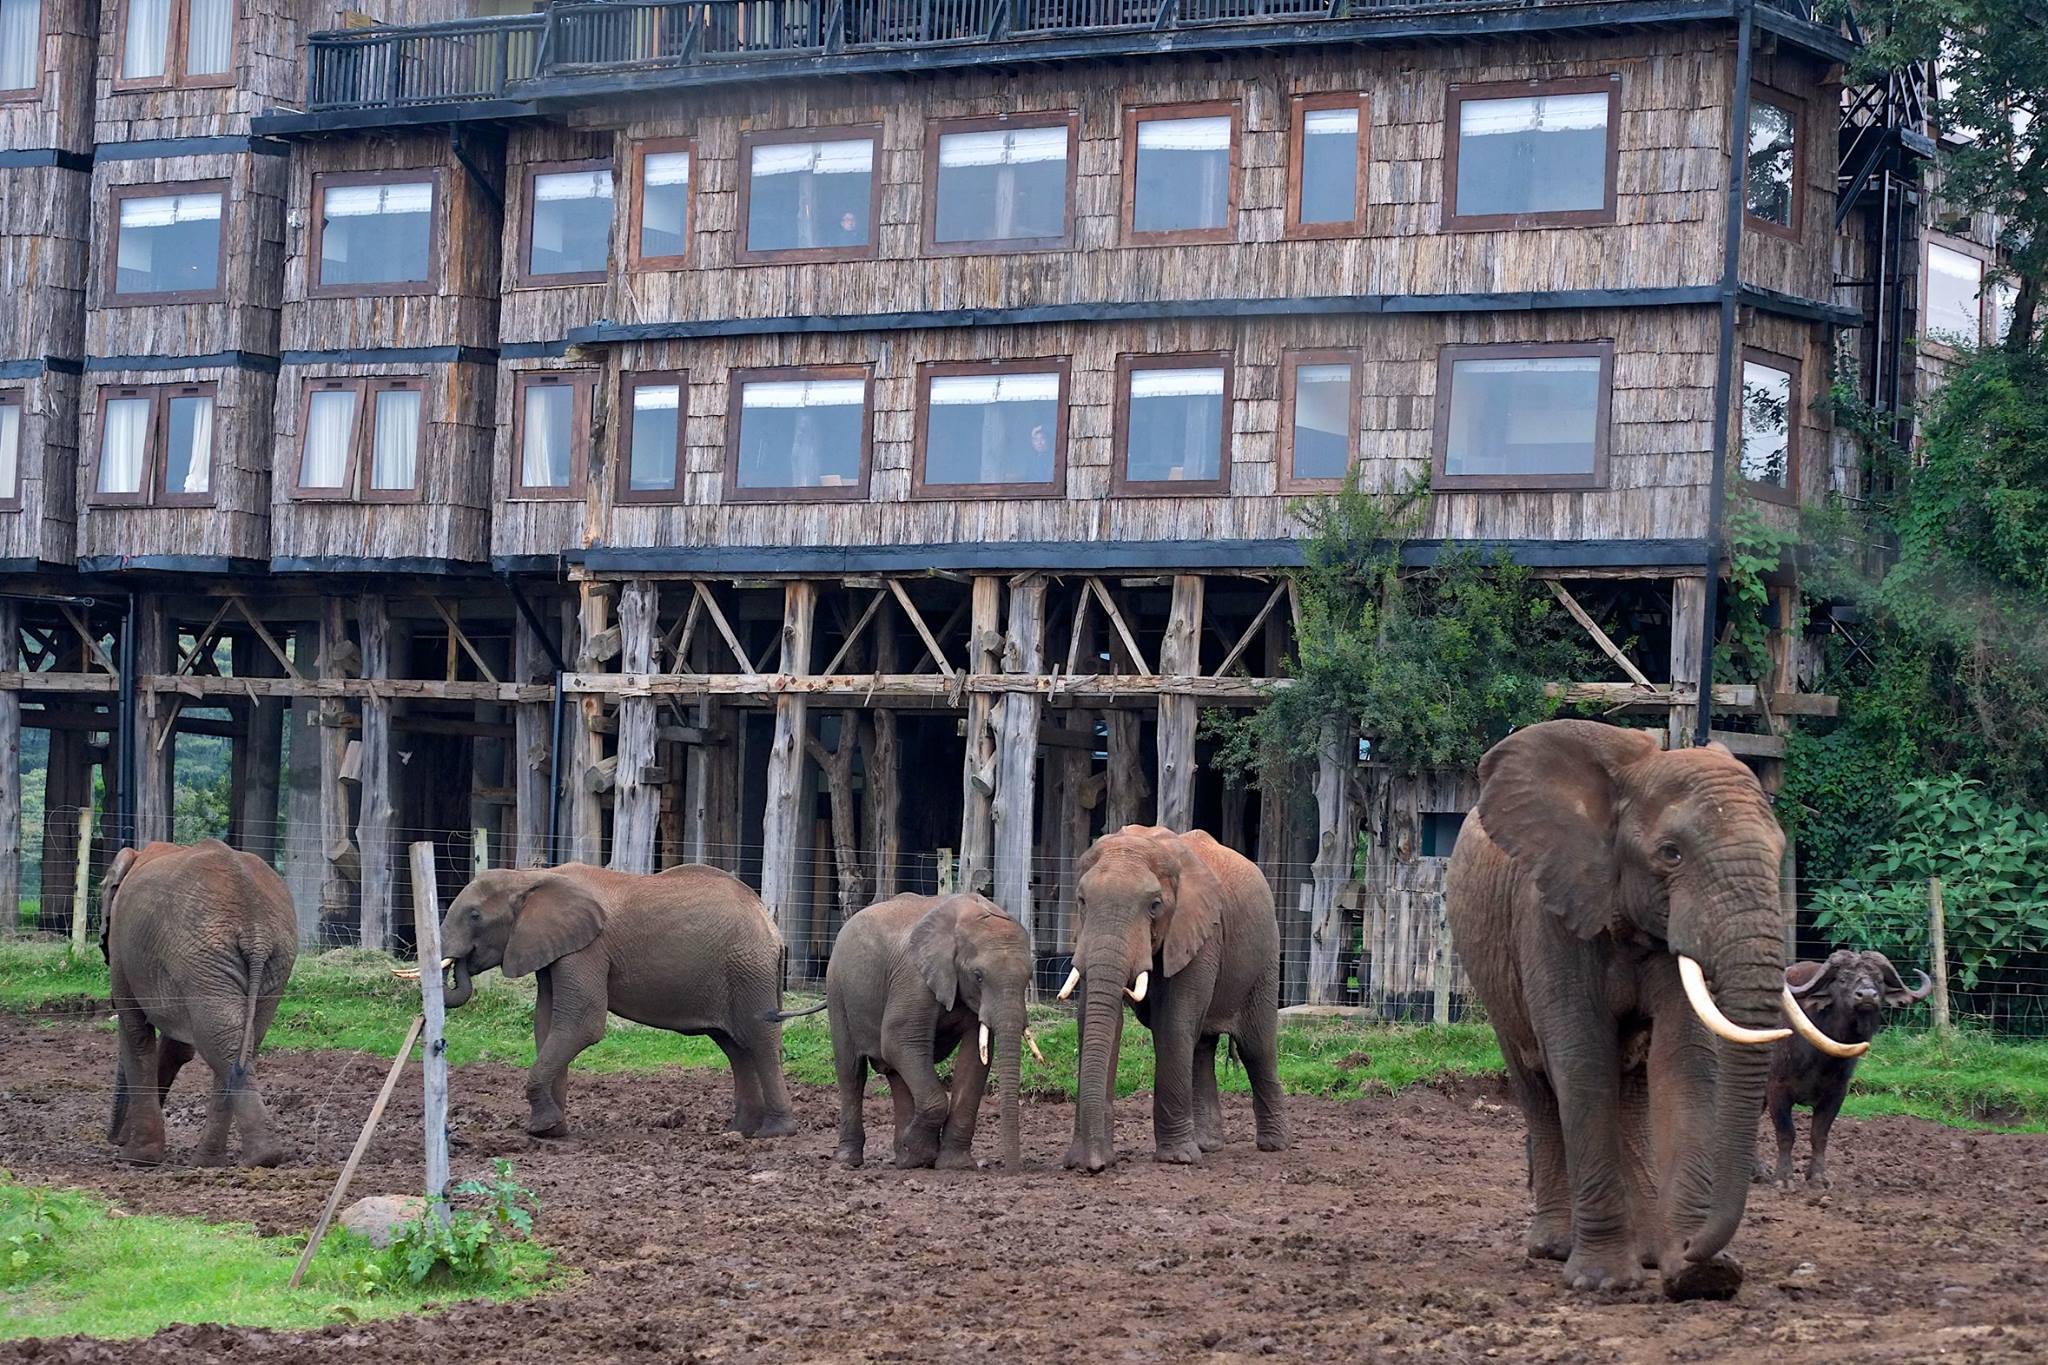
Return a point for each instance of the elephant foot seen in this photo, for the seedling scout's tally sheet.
(1815, 1184)
(1548, 1240)
(268, 1154)
(211, 1157)
(774, 1126)
(1188, 1153)
(1717, 1278)
(851, 1155)
(1210, 1142)
(914, 1161)
(1604, 1272)
(1082, 1156)
(144, 1154)
(956, 1161)
(1274, 1142)
(547, 1126)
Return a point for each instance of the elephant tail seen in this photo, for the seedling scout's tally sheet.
(777, 1016)
(258, 964)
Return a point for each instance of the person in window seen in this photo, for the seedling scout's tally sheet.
(849, 229)
(1037, 462)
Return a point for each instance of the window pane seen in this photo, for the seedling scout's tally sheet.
(21, 43)
(1766, 424)
(376, 234)
(1954, 282)
(1322, 421)
(124, 436)
(1771, 158)
(992, 428)
(394, 456)
(1176, 425)
(168, 245)
(10, 447)
(1002, 184)
(801, 433)
(330, 436)
(188, 445)
(2005, 295)
(149, 38)
(1183, 174)
(572, 222)
(1533, 416)
(1532, 154)
(550, 427)
(657, 423)
(207, 41)
(1329, 166)
(664, 203)
(809, 194)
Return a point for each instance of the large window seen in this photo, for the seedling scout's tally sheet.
(814, 194)
(1326, 164)
(1530, 153)
(13, 413)
(1952, 311)
(1523, 416)
(155, 446)
(176, 42)
(1318, 419)
(1180, 173)
(1770, 424)
(360, 439)
(568, 225)
(1173, 424)
(168, 244)
(992, 429)
(21, 48)
(656, 405)
(1772, 180)
(1000, 183)
(373, 232)
(800, 432)
(658, 237)
(551, 433)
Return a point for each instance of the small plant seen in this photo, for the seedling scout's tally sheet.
(1755, 549)
(28, 1237)
(464, 1247)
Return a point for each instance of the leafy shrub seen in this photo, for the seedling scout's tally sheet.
(465, 1249)
(28, 1237)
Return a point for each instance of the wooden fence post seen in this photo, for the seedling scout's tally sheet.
(1937, 954)
(355, 1156)
(83, 889)
(426, 913)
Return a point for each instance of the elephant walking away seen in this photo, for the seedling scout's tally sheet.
(1618, 910)
(911, 979)
(199, 943)
(1184, 928)
(691, 950)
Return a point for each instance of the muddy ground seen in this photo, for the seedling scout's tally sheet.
(1392, 1230)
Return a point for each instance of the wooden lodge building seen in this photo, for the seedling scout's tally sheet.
(851, 441)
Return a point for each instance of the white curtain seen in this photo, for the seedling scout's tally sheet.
(124, 432)
(394, 463)
(208, 38)
(1003, 147)
(573, 185)
(1176, 383)
(1326, 122)
(149, 37)
(330, 431)
(1005, 388)
(361, 201)
(10, 449)
(544, 463)
(199, 455)
(852, 156)
(1185, 134)
(1533, 114)
(21, 43)
(804, 393)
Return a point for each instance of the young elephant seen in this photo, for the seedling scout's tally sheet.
(691, 950)
(1846, 996)
(199, 943)
(911, 979)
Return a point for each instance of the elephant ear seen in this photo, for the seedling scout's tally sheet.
(116, 872)
(551, 919)
(1549, 795)
(1194, 901)
(935, 948)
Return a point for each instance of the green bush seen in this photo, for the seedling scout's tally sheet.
(29, 1236)
(464, 1248)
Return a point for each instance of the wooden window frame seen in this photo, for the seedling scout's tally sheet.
(584, 384)
(317, 231)
(1778, 99)
(923, 490)
(1987, 261)
(1298, 108)
(1128, 363)
(1455, 97)
(1794, 406)
(1290, 362)
(1447, 357)
(630, 381)
(636, 183)
(16, 397)
(1135, 114)
(151, 491)
(736, 382)
(33, 92)
(1070, 119)
(522, 277)
(166, 189)
(780, 137)
(177, 47)
(362, 453)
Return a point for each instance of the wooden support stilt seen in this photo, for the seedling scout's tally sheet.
(1130, 791)
(154, 751)
(376, 835)
(10, 767)
(1688, 621)
(699, 772)
(337, 660)
(978, 767)
(884, 766)
(785, 821)
(1180, 655)
(837, 765)
(596, 644)
(1338, 820)
(258, 754)
(305, 843)
(1015, 806)
(636, 800)
(533, 737)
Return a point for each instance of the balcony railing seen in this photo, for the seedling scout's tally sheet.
(463, 59)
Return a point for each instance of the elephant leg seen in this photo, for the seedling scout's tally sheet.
(1208, 1104)
(574, 1021)
(1584, 1071)
(852, 1074)
(543, 1023)
(905, 1109)
(1781, 1127)
(908, 1053)
(969, 1085)
(746, 1090)
(220, 1112)
(1823, 1123)
(763, 1044)
(1258, 1046)
(1175, 1030)
(171, 1056)
(138, 1108)
(1550, 1222)
(1640, 1161)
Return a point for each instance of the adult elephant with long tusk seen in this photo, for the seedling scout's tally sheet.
(1183, 928)
(1618, 910)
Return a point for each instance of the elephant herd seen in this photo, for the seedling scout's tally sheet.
(1617, 908)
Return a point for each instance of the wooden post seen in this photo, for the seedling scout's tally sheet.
(1016, 799)
(596, 645)
(1937, 955)
(1338, 822)
(978, 765)
(10, 768)
(375, 840)
(1441, 969)
(154, 750)
(337, 660)
(1080, 792)
(305, 844)
(1688, 620)
(786, 817)
(532, 738)
(837, 765)
(1129, 792)
(355, 1156)
(636, 800)
(426, 916)
(885, 768)
(81, 891)
(1180, 656)
(258, 753)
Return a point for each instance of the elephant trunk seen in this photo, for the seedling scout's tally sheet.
(458, 994)
(1102, 1018)
(1010, 1076)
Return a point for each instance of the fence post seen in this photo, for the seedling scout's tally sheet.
(1937, 954)
(83, 887)
(426, 918)
(1441, 1014)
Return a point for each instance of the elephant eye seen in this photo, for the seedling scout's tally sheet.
(1156, 904)
(979, 975)
(1671, 855)
(475, 915)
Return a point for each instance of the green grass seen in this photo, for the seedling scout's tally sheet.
(347, 1000)
(107, 1274)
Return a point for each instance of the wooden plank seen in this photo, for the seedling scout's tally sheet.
(456, 635)
(1592, 628)
(202, 639)
(978, 768)
(277, 650)
(924, 632)
(376, 837)
(636, 801)
(913, 687)
(1688, 623)
(1180, 655)
(852, 639)
(426, 918)
(1080, 633)
(1123, 630)
(837, 765)
(94, 649)
(1748, 745)
(1251, 631)
(884, 766)
(725, 630)
(785, 822)
(1015, 805)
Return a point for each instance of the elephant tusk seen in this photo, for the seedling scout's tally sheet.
(1719, 1024)
(1032, 1039)
(446, 963)
(406, 973)
(1810, 1031)
(1073, 980)
(1136, 990)
(984, 1044)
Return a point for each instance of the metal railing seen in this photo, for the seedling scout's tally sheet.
(462, 59)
